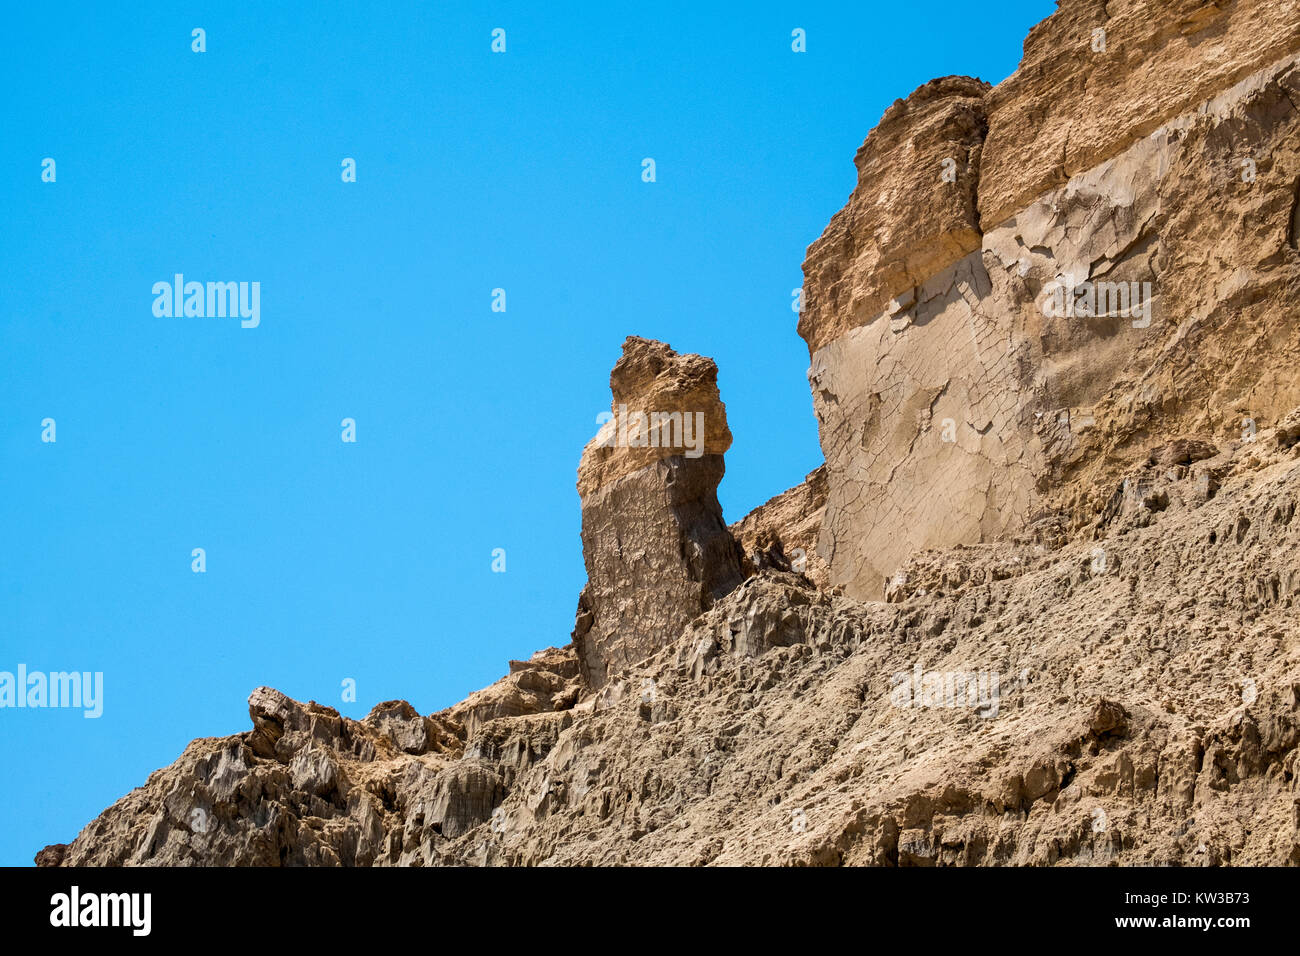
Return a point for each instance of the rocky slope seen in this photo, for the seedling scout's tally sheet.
(1039, 606)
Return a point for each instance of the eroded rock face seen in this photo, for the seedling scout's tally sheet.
(664, 405)
(782, 533)
(927, 430)
(1080, 98)
(912, 214)
(308, 787)
(994, 392)
(548, 681)
(657, 550)
(1015, 705)
(1146, 708)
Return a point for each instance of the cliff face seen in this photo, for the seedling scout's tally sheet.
(1039, 604)
(1030, 284)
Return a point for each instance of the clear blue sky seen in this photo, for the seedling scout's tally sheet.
(475, 171)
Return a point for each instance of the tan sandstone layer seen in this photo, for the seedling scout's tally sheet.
(967, 409)
(657, 550)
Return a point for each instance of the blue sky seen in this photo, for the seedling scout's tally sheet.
(373, 560)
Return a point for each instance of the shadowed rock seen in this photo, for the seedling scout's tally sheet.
(656, 548)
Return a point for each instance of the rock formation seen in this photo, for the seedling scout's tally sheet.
(1144, 156)
(1038, 606)
(657, 550)
(782, 533)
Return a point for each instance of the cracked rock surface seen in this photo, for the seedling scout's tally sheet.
(972, 405)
